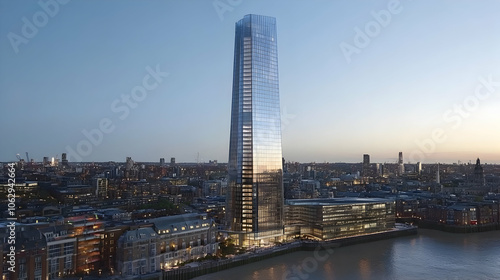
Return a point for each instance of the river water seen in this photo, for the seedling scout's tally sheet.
(428, 255)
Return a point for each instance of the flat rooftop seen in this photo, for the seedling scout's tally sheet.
(335, 201)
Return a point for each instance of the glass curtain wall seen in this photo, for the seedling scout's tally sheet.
(255, 194)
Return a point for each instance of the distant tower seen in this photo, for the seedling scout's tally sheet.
(438, 179)
(129, 163)
(162, 161)
(366, 159)
(479, 173)
(401, 166)
(418, 168)
(172, 160)
(64, 160)
(366, 165)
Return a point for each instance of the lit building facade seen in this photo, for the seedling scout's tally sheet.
(326, 219)
(255, 190)
(101, 187)
(87, 230)
(184, 237)
(61, 251)
(166, 243)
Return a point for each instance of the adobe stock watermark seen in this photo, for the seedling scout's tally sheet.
(308, 265)
(30, 28)
(373, 28)
(455, 116)
(223, 6)
(121, 106)
(286, 118)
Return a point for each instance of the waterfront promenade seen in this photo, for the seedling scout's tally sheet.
(199, 269)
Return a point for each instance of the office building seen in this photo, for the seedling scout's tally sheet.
(331, 218)
(255, 191)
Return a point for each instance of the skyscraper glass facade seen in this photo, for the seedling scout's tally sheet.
(255, 193)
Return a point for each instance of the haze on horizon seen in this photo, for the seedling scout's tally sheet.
(356, 77)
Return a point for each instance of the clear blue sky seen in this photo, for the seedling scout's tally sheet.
(395, 90)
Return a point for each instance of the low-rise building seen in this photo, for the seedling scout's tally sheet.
(185, 237)
(459, 214)
(137, 252)
(214, 188)
(29, 256)
(167, 242)
(326, 219)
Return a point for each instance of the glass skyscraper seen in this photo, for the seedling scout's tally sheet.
(255, 193)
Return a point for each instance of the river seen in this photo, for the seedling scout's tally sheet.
(428, 255)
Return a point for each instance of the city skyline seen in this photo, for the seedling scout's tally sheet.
(357, 78)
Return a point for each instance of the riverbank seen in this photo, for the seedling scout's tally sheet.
(247, 258)
(449, 228)
(430, 254)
